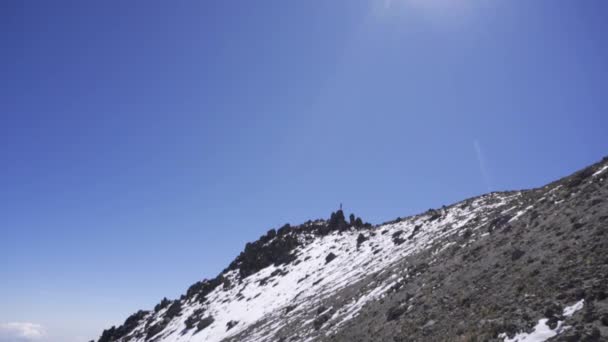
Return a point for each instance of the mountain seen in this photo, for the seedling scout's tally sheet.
(527, 265)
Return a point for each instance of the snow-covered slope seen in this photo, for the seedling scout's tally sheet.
(312, 281)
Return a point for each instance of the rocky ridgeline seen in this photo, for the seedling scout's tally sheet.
(507, 266)
(274, 248)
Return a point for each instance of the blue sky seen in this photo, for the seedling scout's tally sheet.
(143, 143)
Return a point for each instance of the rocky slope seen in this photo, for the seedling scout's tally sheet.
(526, 265)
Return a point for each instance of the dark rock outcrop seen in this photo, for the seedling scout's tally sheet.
(271, 249)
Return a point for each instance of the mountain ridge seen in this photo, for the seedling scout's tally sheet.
(358, 268)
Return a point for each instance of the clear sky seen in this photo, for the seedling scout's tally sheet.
(142, 143)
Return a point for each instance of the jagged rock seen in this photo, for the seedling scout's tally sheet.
(128, 326)
(204, 323)
(414, 232)
(395, 312)
(194, 318)
(108, 335)
(331, 256)
(262, 253)
(604, 319)
(202, 288)
(319, 321)
(516, 254)
(552, 322)
(434, 215)
(397, 240)
(174, 310)
(156, 328)
(231, 324)
(283, 230)
(163, 304)
(360, 240)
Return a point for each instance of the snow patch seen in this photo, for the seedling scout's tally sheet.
(520, 213)
(542, 331)
(570, 310)
(600, 171)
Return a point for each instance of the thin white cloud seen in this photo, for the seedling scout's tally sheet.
(482, 165)
(21, 332)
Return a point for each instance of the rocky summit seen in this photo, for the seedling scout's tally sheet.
(527, 265)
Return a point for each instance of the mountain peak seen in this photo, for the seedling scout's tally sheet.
(499, 263)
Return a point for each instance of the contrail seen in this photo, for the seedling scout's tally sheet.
(482, 165)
